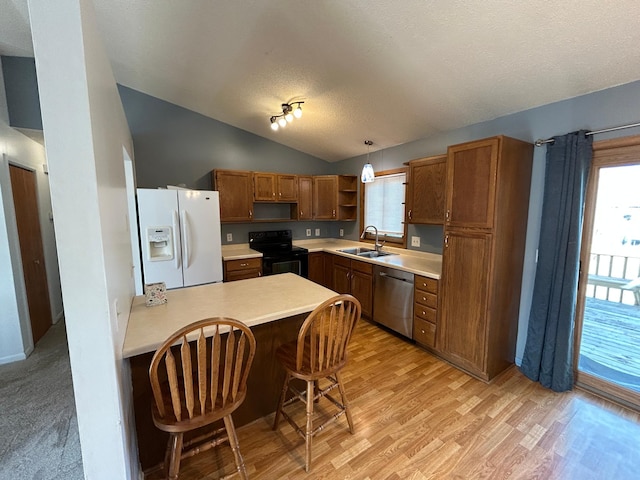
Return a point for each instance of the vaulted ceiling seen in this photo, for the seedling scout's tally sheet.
(388, 71)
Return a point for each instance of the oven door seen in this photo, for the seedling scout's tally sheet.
(294, 263)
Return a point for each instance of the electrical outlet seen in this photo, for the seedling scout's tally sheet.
(342, 232)
(317, 232)
(415, 241)
(229, 237)
(308, 232)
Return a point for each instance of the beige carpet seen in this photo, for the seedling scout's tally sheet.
(39, 439)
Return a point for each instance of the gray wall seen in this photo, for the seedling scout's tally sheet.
(175, 146)
(21, 87)
(607, 108)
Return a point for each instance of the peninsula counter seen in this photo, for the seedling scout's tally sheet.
(273, 306)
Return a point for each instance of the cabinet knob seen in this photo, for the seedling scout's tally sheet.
(423, 332)
(448, 214)
(250, 214)
(446, 241)
(244, 264)
(409, 214)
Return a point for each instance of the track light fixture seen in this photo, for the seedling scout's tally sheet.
(287, 115)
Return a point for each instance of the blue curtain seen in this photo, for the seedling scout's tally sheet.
(548, 354)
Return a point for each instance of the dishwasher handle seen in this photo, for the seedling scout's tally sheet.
(383, 274)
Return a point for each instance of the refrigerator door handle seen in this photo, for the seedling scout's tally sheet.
(186, 238)
(176, 256)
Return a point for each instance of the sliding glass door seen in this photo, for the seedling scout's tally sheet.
(607, 354)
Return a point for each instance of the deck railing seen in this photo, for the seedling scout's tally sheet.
(610, 277)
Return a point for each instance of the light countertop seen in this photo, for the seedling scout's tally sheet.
(254, 301)
(419, 263)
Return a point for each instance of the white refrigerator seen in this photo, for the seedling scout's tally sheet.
(180, 236)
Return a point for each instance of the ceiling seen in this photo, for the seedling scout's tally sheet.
(388, 71)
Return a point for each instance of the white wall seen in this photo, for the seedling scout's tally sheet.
(85, 131)
(15, 327)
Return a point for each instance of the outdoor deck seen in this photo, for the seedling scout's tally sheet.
(610, 346)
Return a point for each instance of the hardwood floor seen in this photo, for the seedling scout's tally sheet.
(611, 335)
(416, 417)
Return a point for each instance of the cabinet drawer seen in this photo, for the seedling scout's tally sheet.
(243, 264)
(242, 275)
(342, 261)
(427, 284)
(426, 299)
(363, 267)
(426, 313)
(424, 332)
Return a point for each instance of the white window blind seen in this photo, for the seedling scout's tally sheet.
(384, 204)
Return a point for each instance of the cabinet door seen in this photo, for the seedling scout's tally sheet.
(463, 316)
(316, 267)
(287, 188)
(325, 197)
(236, 195)
(471, 183)
(264, 187)
(305, 198)
(341, 275)
(362, 289)
(426, 190)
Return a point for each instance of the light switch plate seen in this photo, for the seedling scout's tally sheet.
(308, 232)
(415, 241)
(317, 232)
(342, 232)
(229, 237)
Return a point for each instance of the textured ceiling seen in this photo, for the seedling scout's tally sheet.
(389, 71)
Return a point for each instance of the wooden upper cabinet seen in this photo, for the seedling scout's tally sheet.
(425, 195)
(236, 194)
(471, 183)
(273, 187)
(325, 197)
(305, 198)
(264, 187)
(287, 188)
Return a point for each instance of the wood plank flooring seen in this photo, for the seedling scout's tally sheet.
(611, 335)
(416, 417)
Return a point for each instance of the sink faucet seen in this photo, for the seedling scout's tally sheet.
(378, 246)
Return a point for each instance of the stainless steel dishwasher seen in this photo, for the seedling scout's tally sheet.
(393, 299)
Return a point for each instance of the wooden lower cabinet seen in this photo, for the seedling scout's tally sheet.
(464, 316)
(242, 269)
(425, 309)
(356, 278)
(316, 268)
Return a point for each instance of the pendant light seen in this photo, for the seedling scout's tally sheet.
(367, 171)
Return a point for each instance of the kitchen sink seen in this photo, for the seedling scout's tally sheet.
(365, 252)
(374, 254)
(356, 250)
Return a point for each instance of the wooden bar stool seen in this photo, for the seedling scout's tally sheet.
(197, 381)
(319, 353)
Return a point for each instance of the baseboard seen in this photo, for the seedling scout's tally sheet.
(14, 358)
(58, 317)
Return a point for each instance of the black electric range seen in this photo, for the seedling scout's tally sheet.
(278, 253)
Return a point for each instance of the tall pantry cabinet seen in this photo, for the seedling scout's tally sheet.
(487, 202)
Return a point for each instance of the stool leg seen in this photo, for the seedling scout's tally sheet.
(309, 430)
(235, 448)
(176, 454)
(345, 402)
(283, 394)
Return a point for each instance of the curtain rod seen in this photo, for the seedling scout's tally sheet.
(540, 142)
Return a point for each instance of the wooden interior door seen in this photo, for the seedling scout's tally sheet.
(25, 199)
